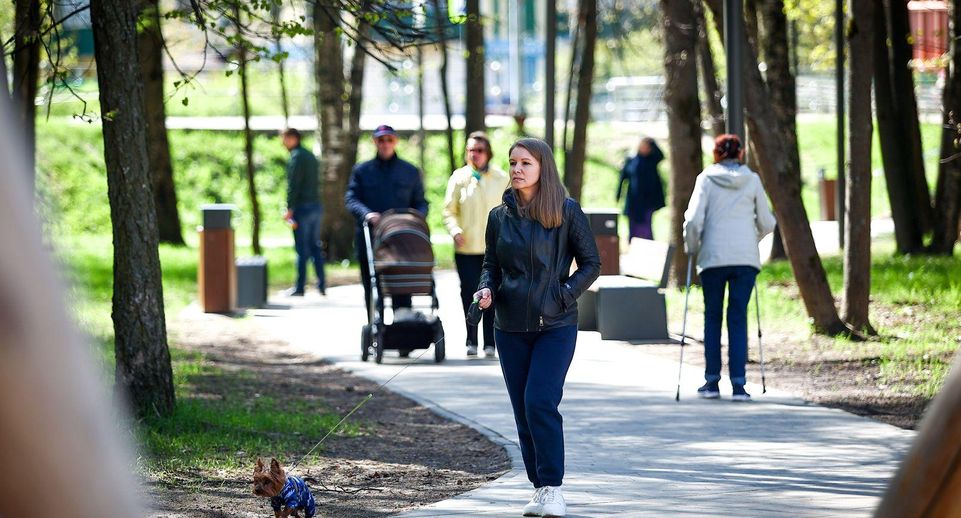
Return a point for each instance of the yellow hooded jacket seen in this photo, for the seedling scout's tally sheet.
(470, 197)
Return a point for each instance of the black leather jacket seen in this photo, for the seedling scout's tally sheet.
(527, 267)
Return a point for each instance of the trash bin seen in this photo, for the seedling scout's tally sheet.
(216, 273)
(252, 282)
(604, 227)
(828, 194)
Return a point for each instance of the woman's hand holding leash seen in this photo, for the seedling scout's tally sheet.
(483, 298)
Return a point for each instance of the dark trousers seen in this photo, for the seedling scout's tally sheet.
(534, 366)
(307, 244)
(642, 228)
(469, 268)
(396, 301)
(713, 281)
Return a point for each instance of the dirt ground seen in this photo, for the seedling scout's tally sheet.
(405, 457)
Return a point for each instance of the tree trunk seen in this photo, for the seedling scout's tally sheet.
(475, 105)
(902, 79)
(571, 83)
(142, 360)
(355, 97)
(150, 49)
(778, 179)
(907, 226)
(947, 200)
(5, 85)
(248, 140)
(550, 72)
(338, 227)
(445, 92)
(683, 117)
(577, 155)
(782, 85)
(857, 228)
(26, 70)
(281, 72)
(712, 92)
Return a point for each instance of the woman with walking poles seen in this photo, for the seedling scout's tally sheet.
(727, 216)
(472, 191)
(531, 240)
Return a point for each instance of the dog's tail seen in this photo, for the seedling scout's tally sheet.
(311, 480)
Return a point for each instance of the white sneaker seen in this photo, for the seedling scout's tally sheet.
(535, 507)
(489, 351)
(471, 350)
(553, 500)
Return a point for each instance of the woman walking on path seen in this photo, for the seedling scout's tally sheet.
(727, 216)
(645, 192)
(532, 237)
(472, 191)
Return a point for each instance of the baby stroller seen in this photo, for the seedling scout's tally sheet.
(401, 262)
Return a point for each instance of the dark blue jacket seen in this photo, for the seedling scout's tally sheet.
(379, 185)
(645, 192)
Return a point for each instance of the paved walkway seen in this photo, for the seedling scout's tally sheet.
(631, 450)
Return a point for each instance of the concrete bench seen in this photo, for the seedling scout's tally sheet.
(630, 306)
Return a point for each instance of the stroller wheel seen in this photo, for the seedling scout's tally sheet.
(365, 343)
(439, 350)
(379, 347)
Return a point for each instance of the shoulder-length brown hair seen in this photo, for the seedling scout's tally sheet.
(547, 206)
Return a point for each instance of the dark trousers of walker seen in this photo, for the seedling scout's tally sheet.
(398, 301)
(469, 268)
(740, 281)
(535, 365)
(307, 244)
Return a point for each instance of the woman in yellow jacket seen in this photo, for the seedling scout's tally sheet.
(472, 191)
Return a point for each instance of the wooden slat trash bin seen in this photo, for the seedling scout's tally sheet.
(630, 306)
(216, 273)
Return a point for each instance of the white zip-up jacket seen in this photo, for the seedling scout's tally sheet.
(727, 216)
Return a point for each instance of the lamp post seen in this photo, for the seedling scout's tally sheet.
(734, 43)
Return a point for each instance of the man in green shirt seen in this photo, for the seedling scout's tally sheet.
(304, 211)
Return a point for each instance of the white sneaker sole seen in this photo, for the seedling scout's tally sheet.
(740, 398)
(709, 395)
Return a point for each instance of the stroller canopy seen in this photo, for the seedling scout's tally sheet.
(403, 257)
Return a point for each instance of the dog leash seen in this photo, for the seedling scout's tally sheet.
(359, 405)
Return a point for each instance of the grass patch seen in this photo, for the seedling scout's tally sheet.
(225, 428)
(223, 417)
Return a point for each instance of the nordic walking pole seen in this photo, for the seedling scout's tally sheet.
(687, 294)
(760, 347)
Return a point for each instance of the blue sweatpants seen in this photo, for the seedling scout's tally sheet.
(535, 365)
(740, 279)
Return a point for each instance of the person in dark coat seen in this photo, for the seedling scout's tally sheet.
(304, 211)
(645, 192)
(532, 239)
(383, 183)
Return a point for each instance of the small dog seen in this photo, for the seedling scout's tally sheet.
(288, 494)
